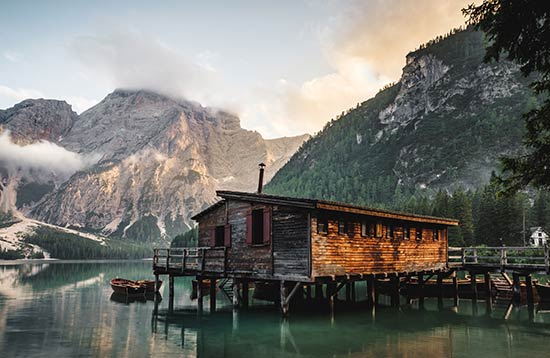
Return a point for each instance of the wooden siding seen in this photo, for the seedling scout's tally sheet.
(290, 237)
(241, 257)
(340, 254)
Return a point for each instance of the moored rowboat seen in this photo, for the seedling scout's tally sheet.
(543, 291)
(127, 287)
(149, 285)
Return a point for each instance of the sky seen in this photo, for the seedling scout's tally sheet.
(284, 67)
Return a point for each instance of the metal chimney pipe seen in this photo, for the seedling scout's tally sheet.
(261, 179)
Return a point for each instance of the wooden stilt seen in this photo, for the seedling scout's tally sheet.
(318, 291)
(308, 292)
(353, 298)
(213, 285)
(376, 292)
(170, 293)
(157, 283)
(473, 284)
(487, 282)
(331, 293)
(530, 298)
(455, 288)
(245, 293)
(370, 290)
(516, 288)
(348, 292)
(421, 289)
(439, 285)
(394, 291)
(199, 294)
(236, 297)
(284, 302)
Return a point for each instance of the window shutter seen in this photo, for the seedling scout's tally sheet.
(267, 224)
(227, 236)
(212, 236)
(249, 227)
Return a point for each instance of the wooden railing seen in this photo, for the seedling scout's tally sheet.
(504, 257)
(190, 259)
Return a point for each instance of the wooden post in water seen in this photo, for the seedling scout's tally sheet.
(199, 294)
(213, 285)
(455, 288)
(308, 292)
(439, 286)
(473, 284)
(348, 292)
(370, 291)
(516, 288)
(157, 283)
(487, 282)
(283, 298)
(530, 298)
(236, 298)
(421, 289)
(394, 284)
(353, 298)
(318, 291)
(170, 293)
(245, 293)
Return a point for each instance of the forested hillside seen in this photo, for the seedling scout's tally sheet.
(433, 137)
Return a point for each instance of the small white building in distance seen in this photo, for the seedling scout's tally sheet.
(538, 237)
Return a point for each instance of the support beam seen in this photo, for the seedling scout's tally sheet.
(318, 291)
(199, 294)
(245, 292)
(353, 298)
(455, 288)
(473, 284)
(348, 292)
(370, 291)
(487, 282)
(213, 285)
(236, 297)
(439, 286)
(530, 298)
(308, 292)
(394, 287)
(157, 283)
(170, 293)
(283, 290)
(516, 288)
(421, 289)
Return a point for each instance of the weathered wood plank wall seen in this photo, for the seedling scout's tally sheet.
(340, 254)
(290, 242)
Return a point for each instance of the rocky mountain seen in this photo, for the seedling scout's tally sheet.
(158, 161)
(443, 125)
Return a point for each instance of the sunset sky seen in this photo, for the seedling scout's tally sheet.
(285, 67)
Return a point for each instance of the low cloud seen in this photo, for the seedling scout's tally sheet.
(42, 155)
(133, 60)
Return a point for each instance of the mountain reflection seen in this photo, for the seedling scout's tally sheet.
(68, 309)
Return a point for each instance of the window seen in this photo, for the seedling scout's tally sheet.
(406, 233)
(436, 234)
(378, 232)
(341, 227)
(365, 229)
(219, 236)
(418, 234)
(322, 225)
(389, 231)
(257, 226)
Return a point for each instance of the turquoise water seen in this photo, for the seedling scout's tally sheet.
(65, 309)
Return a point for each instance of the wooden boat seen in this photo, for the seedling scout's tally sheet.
(127, 299)
(149, 285)
(127, 287)
(543, 291)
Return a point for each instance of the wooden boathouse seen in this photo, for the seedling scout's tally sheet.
(301, 244)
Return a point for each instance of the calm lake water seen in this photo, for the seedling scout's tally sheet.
(65, 309)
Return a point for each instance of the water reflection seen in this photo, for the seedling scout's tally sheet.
(68, 309)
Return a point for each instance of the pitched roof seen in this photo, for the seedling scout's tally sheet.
(325, 205)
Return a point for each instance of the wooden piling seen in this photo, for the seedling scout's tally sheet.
(370, 291)
(236, 298)
(348, 292)
(473, 284)
(353, 298)
(170, 293)
(487, 282)
(516, 288)
(283, 298)
(394, 284)
(199, 294)
(529, 284)
(455, 288)
(245, 293)
(308, 292)
(213, 284)
(318, 291)
(157, 283)
(421, 288)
